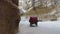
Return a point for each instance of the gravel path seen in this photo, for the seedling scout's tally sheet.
(46, 27)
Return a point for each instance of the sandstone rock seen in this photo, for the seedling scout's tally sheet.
(9, 16)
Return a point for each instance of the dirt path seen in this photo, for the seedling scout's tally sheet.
(46, 27)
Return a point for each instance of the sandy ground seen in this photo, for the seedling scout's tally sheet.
(46, 27)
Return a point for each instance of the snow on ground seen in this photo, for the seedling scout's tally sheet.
(45, 27)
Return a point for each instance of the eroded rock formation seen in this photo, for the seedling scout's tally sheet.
(9, 16)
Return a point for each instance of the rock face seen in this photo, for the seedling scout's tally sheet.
(9, 16)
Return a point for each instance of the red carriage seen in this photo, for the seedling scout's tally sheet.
(33, 20)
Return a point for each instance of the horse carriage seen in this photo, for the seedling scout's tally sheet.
(33, 20)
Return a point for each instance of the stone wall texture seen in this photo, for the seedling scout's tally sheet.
(9, 16)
